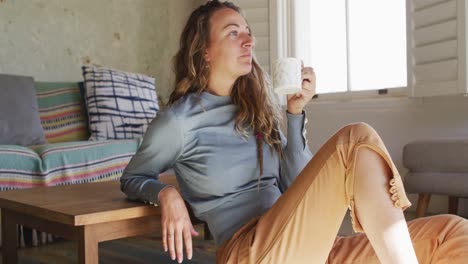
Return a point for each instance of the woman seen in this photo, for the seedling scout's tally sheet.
(264, 197)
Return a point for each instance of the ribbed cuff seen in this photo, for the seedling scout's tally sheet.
(150, 191)
(297, 140)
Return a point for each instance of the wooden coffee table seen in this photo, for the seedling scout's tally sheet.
(87, 213)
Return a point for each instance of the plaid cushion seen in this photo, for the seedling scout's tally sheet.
(61, 110)
(120, 104)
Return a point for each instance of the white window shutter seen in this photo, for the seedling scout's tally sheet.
(436, 37)
(257, 15)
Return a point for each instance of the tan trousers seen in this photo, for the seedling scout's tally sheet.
(302, 225)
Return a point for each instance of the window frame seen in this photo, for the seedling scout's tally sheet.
(283, 42)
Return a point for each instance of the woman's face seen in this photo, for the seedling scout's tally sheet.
(230, 47)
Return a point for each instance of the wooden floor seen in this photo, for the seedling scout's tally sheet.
(135, 250)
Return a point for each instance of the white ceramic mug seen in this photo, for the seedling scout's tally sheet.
(287, 77)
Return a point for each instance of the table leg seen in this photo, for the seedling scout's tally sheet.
(87, 246)
(9, 238)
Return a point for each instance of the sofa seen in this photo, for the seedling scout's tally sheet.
(57, 133)
(73, 149)
(67, 157)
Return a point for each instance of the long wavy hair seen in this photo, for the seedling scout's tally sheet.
(258, 111)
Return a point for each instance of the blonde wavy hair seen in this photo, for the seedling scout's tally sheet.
(257, 108)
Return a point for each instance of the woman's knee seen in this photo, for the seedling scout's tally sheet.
(356, 132)
(361, 128)
(442, 226)
(457, 226)
(449, 220)
(440, 238)
(452, 239)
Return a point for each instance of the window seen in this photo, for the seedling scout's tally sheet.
(352, 45)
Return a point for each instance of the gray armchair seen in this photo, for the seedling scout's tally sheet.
(437, 166)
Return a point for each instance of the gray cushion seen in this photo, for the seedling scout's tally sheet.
(19, 116)
(442, 183)
(437, 166)
(436, 155)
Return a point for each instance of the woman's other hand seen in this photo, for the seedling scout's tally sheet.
(297, 102)
(177, 229)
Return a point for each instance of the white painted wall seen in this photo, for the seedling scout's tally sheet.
(51, 39)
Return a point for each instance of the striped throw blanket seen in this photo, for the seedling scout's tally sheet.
(62, 111)
(64, 163)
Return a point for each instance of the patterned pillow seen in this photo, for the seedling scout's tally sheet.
(61, 110)
(120, 105)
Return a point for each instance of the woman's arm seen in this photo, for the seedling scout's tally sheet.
(296, 152)
(161, 147)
